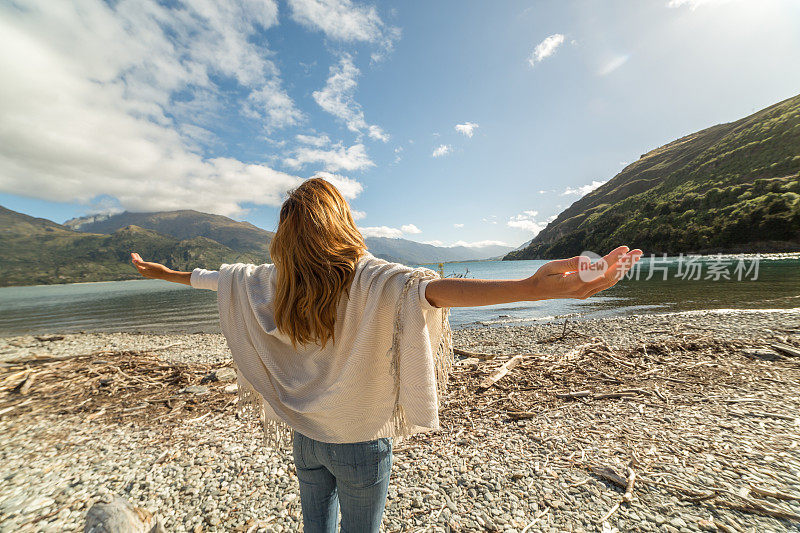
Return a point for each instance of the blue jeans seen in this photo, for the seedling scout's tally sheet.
(354, 476)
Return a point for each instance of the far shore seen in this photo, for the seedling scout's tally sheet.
(766, 255)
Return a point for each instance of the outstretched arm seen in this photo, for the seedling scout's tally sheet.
(556, 279)
(159, 271)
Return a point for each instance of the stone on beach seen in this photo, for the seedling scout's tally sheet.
(120, 516)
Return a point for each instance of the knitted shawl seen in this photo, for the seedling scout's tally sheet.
(382, 377)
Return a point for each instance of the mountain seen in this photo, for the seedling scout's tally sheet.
(186, 224)
(410, 252)
(39, 251)
(247, 238)
(730, 188)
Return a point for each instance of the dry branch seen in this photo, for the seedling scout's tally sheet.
(787, 349)
(498, 374)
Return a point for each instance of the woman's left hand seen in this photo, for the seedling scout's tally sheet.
(149, 270)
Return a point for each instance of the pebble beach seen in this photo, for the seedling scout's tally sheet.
(712, 437)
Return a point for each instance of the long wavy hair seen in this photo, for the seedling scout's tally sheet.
(315, 251)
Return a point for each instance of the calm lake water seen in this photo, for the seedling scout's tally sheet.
(158, 306)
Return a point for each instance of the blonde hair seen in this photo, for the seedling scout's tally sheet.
(315, 251)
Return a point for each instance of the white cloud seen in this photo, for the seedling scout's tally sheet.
(468, 128)
(113, 100)
(314, 140)
(584, 189)
(527, 221)
(273, 105)
(392, 233)
(694, 4)
(474, 244)
(345, 21)
(349, 187)
(442, 149)
(358, 215)
(546, 48)
(458, 226)
(334, 159)
(478, 244)
(492, 219)
(381, 231)
(613, 64)
(375, 132)
(337, 98)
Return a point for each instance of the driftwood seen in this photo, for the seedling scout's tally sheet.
(118, 385)
(498, 374)
(774, 494)
(609, 474)
(626, 393)
(785, 348)
(476, 355)
(628, 496)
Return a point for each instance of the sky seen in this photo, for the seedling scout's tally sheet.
(448, 122)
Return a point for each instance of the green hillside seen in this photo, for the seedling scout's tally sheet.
(38, 251)
(185, 224)
(730, 188)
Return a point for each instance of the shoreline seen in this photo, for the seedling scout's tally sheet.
(558, 320)
(705, 415)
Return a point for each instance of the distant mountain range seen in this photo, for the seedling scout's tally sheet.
(247, 238)
(97, 248)
(730, 188)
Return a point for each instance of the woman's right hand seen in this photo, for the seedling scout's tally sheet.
(149, 270)
(578, 277)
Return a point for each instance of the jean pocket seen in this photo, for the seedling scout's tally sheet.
(361, 464)
(355, 454)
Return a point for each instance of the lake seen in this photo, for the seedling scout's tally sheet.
(675, 284)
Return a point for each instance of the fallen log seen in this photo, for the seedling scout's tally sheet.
(787, 349)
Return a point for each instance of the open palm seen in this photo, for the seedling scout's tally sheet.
(147, 269)
(577, 277)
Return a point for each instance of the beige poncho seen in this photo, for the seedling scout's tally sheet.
(382, 377)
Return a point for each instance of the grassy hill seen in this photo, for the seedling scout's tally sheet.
(39, 251)
(730, 188)
(185, 224)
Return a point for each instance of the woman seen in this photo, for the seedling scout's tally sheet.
(340, 351)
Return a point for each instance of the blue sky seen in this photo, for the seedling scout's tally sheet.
(442, 122)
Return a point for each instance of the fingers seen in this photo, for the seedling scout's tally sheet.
(573, 264)
(622, 264)
(614, 255)
(561, 266)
